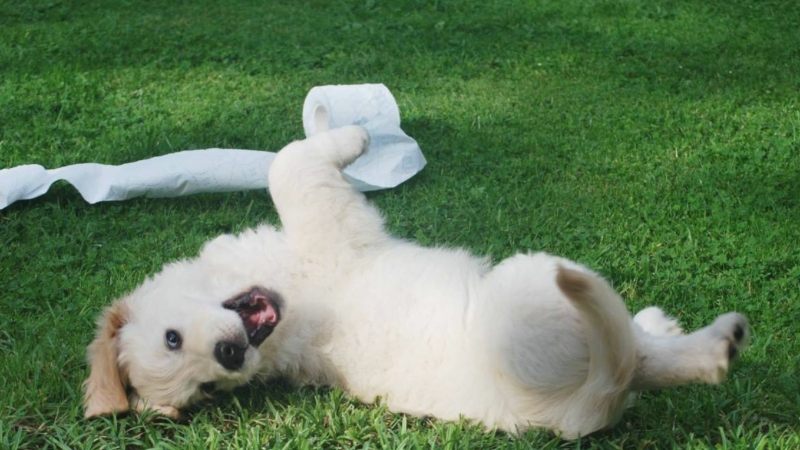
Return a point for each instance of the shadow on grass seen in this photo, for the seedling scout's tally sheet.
(641, 43)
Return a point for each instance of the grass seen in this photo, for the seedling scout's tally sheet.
(656, 141)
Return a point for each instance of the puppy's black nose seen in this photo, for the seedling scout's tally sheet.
(230, 354)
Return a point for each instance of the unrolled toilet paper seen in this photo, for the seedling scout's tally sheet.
(392, 158)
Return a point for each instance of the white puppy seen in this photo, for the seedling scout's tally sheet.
(536, 341)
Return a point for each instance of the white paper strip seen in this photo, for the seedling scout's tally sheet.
(393, 157)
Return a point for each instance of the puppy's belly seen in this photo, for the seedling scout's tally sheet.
(409, 332)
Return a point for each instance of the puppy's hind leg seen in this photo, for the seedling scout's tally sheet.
(700, 357)
(653, 321)
(319, 209)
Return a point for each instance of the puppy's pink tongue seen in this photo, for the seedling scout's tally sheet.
(265, 316)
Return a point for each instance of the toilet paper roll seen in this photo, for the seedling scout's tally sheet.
(393, 157)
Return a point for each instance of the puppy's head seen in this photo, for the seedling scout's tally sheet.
(192, 329)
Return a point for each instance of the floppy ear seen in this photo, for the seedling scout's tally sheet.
(105, 388)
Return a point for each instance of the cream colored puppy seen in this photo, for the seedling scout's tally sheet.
(331, 299)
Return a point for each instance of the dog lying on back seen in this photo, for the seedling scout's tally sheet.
(331, 299)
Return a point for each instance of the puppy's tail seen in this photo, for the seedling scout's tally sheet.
(612, 348)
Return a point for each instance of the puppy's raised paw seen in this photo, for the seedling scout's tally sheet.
(350, 142)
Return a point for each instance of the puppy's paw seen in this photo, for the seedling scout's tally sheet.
(727, 336)
(141, 405)
(654, 322)
(350, 142)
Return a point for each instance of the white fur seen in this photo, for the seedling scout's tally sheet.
(535, 341)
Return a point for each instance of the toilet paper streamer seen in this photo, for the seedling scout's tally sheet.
(392, 158)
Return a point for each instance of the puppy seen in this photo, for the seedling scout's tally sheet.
(331, 299)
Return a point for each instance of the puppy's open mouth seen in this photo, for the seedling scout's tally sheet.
(260, 312)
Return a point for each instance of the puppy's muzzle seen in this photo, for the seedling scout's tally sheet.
(260, 311)
(230, 354)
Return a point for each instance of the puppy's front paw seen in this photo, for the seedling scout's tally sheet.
(728, 336)
(350, 142)
(141, 405)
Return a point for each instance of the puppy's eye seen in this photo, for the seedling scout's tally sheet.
(173, 340)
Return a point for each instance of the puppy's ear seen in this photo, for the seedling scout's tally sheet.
(105, 388)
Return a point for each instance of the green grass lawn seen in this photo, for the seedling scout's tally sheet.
(655, 141)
